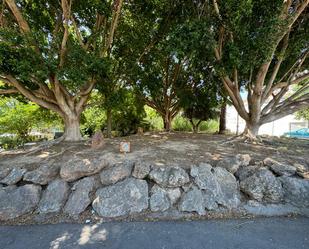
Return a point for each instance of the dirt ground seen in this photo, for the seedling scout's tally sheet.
(182, 149)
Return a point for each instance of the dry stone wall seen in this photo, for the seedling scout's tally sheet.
(121, 189)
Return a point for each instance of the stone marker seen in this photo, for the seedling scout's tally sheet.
(97, 140)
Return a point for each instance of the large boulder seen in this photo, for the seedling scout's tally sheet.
(232, 164)
(218, 184)
(296, 191)
(229, 189)
(123, 198)
(263, 186)
(169, 176)
(79, 198)
(14, 176)
(116, 173)
(44, 174)
(79, 167)
(159, 200)
(193, 201)
(54, 197)
(15, 202)
(141, 169)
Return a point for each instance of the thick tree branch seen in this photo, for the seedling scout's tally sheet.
(8, 91)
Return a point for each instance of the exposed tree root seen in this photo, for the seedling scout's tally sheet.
(244, 138)
(44, 146)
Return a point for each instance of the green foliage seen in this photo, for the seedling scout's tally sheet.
(16, 117)
(181, 124)
(303, 114)
(19, 117)
(154, 119)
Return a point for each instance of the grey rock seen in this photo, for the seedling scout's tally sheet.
(141, 169)
(44, 174)
(18, 201)
(210, 200)
(204, 178)
(79, 198)
(4, 172)
(159, 200)
(193, 201)
(169, 176)
(283, 169)
(14, 176)
(123, 198)
(79, 167)
(232, 164)
(229, 188)
(173, 194)
(8, 188)
(296, 191)
(219, 185)
(116, 173)
(245, 172)
(54, 197)
(263, 186)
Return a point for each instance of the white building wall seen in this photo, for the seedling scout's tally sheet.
(276, 128)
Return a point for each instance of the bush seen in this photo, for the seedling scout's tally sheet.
(153, 119)
(181, 124)
(210, 126)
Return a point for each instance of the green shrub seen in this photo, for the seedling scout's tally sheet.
(210, 126)
(181, 124)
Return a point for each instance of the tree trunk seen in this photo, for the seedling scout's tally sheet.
(195, 126)
(109, 123)
(167, 122)
(251, 131)
(72, 128)
(222, 124)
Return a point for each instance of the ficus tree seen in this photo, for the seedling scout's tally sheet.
(261, 49)
(55, 52)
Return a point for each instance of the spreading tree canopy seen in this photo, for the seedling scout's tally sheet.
(54, 52)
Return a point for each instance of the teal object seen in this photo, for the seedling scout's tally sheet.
(301, 133)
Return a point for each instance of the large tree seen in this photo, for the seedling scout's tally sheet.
(262, 48)
(55, 52)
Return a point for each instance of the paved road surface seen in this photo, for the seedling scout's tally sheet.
(277, 233)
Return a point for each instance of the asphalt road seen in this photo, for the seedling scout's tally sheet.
(277, 233)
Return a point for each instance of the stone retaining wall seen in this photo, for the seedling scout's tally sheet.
(120, 189)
